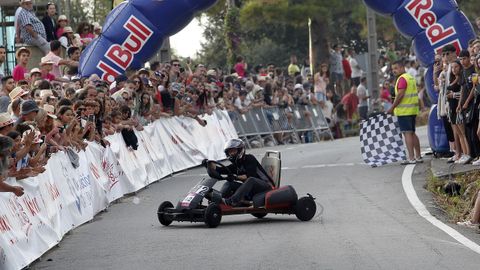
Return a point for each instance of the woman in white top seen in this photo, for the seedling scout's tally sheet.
(321, 80)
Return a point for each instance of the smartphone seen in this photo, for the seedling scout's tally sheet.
(43, 139)
(91, 118)
(48, 151)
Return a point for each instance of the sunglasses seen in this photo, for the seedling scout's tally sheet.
(176, 65)
(81, 109)
(136, 82)
(446, 53)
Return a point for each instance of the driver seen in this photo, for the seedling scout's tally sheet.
(252, 176)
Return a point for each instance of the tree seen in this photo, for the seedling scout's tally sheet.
(282, 26)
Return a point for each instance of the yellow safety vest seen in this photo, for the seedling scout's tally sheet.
(409, 104)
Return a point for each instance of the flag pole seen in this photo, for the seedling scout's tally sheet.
(310, 46)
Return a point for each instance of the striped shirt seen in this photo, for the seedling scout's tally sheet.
(27, 17)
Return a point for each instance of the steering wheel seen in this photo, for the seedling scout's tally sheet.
(214, 174)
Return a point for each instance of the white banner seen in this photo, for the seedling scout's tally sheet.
(64, 197)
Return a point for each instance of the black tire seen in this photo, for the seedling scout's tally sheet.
(213, 215)
(259, 215)
(164, 220)
(305, 209)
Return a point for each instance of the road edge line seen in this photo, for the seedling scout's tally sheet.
(423, 212)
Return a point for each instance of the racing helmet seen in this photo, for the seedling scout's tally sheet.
(235, 144)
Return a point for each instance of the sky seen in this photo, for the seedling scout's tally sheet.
(187, 42)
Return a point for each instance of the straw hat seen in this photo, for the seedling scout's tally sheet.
(62, 18)
(46, 93)
(17, 92)
(46, 61)
(67, 29)
(22, 49)
(35, 70)
(5, 120)
(50, 110)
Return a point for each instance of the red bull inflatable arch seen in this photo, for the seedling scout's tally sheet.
(135, 29)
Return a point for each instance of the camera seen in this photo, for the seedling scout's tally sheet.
(91, 118)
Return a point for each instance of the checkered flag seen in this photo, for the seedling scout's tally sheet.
(381, 140)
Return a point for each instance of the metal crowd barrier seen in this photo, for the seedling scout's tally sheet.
(265, 123)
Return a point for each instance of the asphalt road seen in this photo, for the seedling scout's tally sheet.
(367, 223)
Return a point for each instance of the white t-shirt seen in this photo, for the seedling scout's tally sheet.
(240, 105)
(362, 92)
(412, 71)
(327, 109)
(2, 74)
(356, 70)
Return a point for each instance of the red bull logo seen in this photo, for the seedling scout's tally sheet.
(421, 11)
(123, 55)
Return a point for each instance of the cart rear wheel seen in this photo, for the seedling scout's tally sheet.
(213, 215)
(305, 208)
(165, 220)
(259, 215)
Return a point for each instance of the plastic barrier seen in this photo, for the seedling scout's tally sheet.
(432, 24)
(436, 133)
(133, 32)
(64, 197)
(258, 122)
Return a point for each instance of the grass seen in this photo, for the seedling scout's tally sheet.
(458, 207)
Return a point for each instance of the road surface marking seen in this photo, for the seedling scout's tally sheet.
(423, 212)
(329, 165)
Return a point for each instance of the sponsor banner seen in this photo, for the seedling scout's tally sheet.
(414, 16)
(64, 196)
(453, 28)
(133, 32)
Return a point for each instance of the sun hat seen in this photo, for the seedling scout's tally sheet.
(46, 93)
(298, 86)
(22, 49)
(28, 106)
(50, 110)
(35, 70)
(5, 120)
(67, 29)
(17, 92)
(46, 61)
(62, 18)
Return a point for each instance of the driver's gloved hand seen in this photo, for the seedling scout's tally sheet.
(205, 163)
(231, 178)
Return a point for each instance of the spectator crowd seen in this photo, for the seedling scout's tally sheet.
(49, 108)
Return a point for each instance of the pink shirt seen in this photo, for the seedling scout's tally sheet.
(49, 77)
(19, 73)
(240, 69)
(402, 83)
(386, 95)
(59, 32)
(55, 59)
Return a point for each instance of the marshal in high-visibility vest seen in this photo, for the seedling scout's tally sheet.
(410, 103)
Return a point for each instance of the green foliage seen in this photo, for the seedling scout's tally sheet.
(457, 208)
(232, 35)
(283, 24)
(213, 52)
(266, 51)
